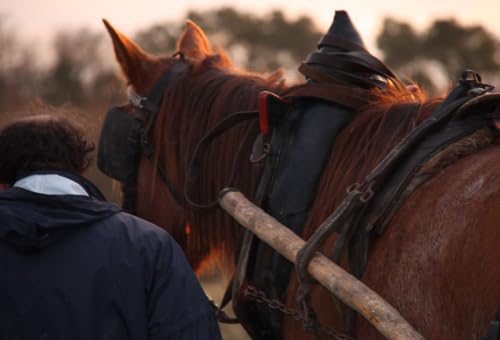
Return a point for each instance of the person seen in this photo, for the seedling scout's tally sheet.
(74, 266)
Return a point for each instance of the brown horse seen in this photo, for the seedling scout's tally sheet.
(437, 262)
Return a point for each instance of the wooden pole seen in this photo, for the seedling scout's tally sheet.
(346, 287)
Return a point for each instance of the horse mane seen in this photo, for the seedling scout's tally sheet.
(363, 144)
(209, 91)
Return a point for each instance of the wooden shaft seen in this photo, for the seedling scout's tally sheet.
(346, 287)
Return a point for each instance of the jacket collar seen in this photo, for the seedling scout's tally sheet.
(50, 184)
(70, 184)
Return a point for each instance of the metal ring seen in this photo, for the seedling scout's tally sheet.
(368, 193)
(353, 187)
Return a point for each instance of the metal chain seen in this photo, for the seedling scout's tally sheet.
(260, 297)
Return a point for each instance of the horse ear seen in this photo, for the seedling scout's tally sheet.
(193, 42)
(135, 63)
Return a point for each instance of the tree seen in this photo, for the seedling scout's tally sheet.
(399, 42)
(159, 38)
(19, 75)
(78, 62)
(267, 42)
(445, 43)
(458, 47)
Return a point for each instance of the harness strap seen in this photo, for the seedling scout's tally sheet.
(168, 183)
(351, 97)
(219, 310)
(194, 164)
(147, 108)
(454, 100)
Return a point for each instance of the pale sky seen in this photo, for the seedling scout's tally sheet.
(35, 20)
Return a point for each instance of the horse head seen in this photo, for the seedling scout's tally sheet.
(202, 88)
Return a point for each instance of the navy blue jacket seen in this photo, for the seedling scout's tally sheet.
(76, 267)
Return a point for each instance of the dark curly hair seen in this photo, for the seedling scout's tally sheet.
(42, 142)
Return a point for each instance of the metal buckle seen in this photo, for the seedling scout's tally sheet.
(135, 99)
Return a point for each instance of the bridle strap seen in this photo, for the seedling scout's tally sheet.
(148, 107)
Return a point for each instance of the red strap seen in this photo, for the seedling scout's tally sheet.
(263, 114)
(263, 110)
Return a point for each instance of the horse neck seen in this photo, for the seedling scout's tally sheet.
(203, 100)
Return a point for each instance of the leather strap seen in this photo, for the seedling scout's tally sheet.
(194, 164)
(335, 93)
